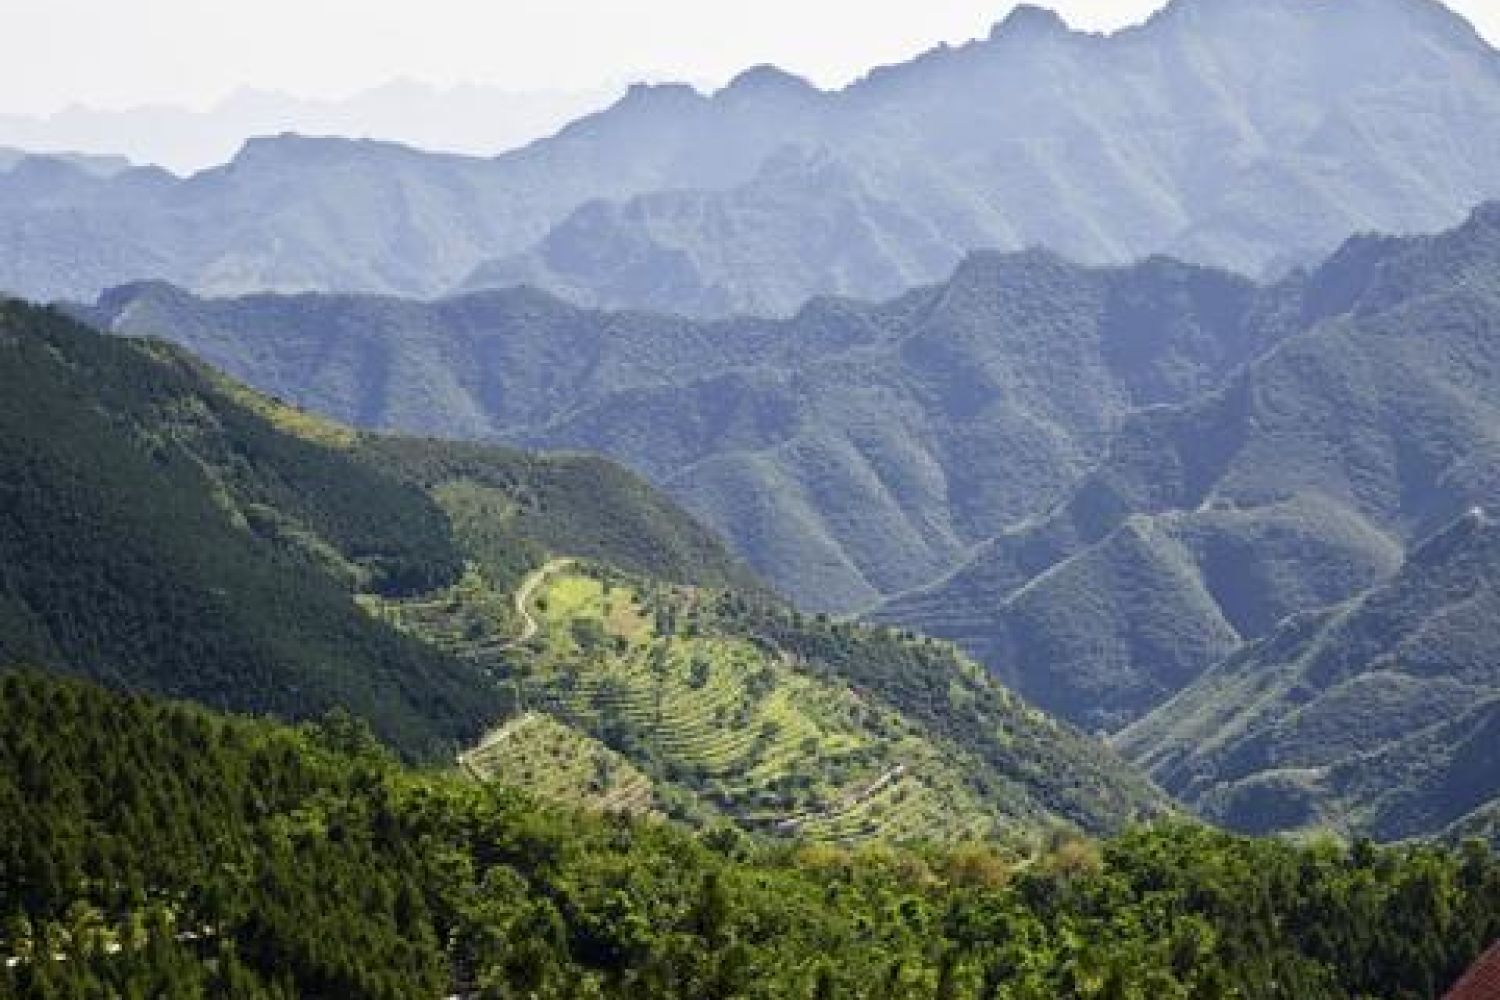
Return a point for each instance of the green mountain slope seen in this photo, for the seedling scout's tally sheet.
(157, 849)
(1261, 451)
(164, 528)
(850, 452)
(1380, 715)
(1299, 484)
(739, 709)
(168, 530)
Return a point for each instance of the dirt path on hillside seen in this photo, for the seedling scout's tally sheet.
(524, 594)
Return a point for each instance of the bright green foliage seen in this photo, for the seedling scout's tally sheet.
(159, 850)
(560, 764)
(740, 709)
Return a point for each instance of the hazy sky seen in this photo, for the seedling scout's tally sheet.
(117, 53)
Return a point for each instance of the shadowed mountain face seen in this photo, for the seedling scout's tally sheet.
(1243, 133)
(851, 452)
(1298, 484)
(1379, 715)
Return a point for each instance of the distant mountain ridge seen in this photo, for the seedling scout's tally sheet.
(1146, 475)
(1299, 483)
(851, 452)
(1246, 134)
(1380, 715)
(479, 119)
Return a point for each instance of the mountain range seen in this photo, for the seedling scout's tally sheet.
(1240, 133)
(471, 118)
(1378, 714)
(851, 452)
(1298, 483)
(166, 530)
(1133, 486)
(1112, 478)
(988, 531)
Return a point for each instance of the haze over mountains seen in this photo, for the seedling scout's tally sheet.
(476, 119)
(773, 543)
(1117, 485)
(851, 452)
(1248, 134)
(1298, 483)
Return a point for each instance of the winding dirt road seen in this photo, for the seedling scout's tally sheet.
(524, 594)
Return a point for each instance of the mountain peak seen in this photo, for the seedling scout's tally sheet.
(642, 94)
(1030, 20)
(768, 79)
(1428, 15)
(298, 149)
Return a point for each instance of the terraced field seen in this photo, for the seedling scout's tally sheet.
(629, 695)
(468, 619)
(536, 752)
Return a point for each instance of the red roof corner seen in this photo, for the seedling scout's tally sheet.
(1482, 982)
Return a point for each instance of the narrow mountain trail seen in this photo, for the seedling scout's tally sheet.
(524, 594)
(529, 628)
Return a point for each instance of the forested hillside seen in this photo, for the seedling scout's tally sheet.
(156, 849)
(711, 705)
(850, 452)
(164, 528)
(1023, 524)
(1225, 454)
(1300, 483)
(1380, 715)
(168, 530)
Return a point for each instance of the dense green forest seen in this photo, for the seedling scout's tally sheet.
(156, 849)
